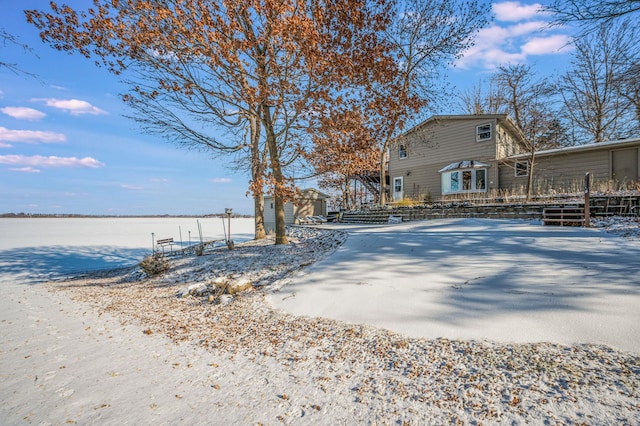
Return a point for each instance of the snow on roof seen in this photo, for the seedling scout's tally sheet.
(464, 164)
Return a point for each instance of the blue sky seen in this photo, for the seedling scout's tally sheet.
(65, 146)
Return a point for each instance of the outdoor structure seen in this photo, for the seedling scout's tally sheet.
(473, 156)
(310, 203)
(612, 165)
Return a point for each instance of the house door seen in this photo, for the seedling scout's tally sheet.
(624, 166)
(398, 191)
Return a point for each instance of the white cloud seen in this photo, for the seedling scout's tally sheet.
(525, 28)
(29, 136)
(51, 161)
(220, 180)
(159, 180)
(23, 113)
(25, 169)
(132, 187)
(559, 43)
(73, 106)
(521, 32)
(514, 11)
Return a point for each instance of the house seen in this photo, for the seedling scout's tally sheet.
(468, 156)
(311, 202)
(453, 154)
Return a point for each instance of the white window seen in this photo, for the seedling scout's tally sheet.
(402, 151)
(521, 168)
(483, 132)
(461, 181)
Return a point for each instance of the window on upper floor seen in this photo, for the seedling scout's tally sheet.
(402, 151)
(521, 168)
(483, 132)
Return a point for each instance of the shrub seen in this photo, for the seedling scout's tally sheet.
(154, 264)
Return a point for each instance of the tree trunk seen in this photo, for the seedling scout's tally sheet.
(530, 176)
(383, 176)
(257, 174)
(345, 194)
(258, 207)
(281, 232)
(278, 177)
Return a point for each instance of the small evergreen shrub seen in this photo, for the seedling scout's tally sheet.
(154, 264)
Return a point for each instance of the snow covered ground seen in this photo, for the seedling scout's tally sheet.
(502, 280)
(42, 248)
(132, 350)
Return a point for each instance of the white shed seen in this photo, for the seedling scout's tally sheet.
(311, 203)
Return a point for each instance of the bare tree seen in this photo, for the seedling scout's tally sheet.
(529, 101)
(482, 98)
(591, 14)
(591, 89)
(627, 82)
(5, 39)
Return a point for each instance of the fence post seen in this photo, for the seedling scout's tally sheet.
(587, 208)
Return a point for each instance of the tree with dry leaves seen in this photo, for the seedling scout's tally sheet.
(426, 36)
(195, 67)
(343, 147)
(422, 37)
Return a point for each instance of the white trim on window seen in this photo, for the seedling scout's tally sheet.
(521, 169)
(464, 181)
(402, 151)
(484, 132)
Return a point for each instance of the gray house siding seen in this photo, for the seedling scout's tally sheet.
(563, 170)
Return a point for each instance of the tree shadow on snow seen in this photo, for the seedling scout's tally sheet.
(476, 267)
(37, 264)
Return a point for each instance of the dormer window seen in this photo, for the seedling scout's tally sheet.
(402, 151)
(483, 132)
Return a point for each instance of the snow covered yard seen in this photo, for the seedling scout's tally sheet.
(244, 362)
(502, 280)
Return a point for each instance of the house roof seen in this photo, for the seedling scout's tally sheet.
(304, 193)
(620, 143)
(320, 193)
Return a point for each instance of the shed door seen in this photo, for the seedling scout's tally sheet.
(398, 192)
(624, 165)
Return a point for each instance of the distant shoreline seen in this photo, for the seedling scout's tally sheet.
(76, 216)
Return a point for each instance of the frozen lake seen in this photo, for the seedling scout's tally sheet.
(41, 248)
